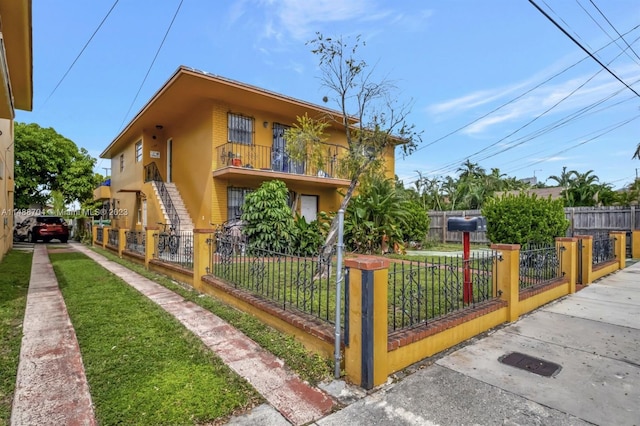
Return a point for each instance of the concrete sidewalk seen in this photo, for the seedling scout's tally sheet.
(594, 335)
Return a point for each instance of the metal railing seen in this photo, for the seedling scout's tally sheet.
(135, 241)
(174, 247)
(293, 282)
(421, 291)
(113, 235)
(539, 264)
(603, 249)
(267, 158)
(99, 235)
(152, 173)
(172, 213)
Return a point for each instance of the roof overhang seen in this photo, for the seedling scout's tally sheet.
(189, 88)
(16, 61)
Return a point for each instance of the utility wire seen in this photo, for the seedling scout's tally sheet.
(582, 47)
(451, 166)
(80, 54)
(614, 28)
(152, 62)
(614, 127)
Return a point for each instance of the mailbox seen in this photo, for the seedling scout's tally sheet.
(467, 224)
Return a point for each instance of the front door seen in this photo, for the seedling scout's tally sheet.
(169, 159)
(280, 161)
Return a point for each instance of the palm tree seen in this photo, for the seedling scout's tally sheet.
(637, 153)
(470, 170)
(565, 180)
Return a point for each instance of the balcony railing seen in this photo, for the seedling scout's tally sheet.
(267, 158)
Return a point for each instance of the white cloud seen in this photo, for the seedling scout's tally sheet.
(546, 99)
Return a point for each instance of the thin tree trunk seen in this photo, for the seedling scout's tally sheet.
(324, 258)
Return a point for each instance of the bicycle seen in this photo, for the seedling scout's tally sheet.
(169, 239)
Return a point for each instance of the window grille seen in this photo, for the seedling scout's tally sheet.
(240, 129)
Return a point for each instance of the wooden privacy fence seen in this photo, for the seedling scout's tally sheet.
(583, 220)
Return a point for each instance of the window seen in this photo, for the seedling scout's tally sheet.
(235, 200)
(240, 129)
(121, 162)
(138, 151)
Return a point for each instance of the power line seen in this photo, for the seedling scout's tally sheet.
(80, 54)
(152, 62)
(582, 47)
(614, 28)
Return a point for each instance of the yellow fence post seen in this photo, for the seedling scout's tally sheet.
(94, 235)
(202, 240)
(568, 259)
(150, 245)
(105, 236)
(508, 277)
(620, 247)
(585, 263)
(635, 241)
(122, 240)
(365, 358)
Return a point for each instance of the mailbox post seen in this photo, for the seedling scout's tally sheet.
(466, 225)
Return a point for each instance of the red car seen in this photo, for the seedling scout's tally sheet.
(45, 228)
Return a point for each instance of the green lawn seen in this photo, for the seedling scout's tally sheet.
(307, 365)
(142, 365)
(15, 271)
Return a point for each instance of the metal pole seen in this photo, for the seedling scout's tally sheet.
(339, 249)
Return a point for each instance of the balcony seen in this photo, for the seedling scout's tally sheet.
(103, 192)
(246, 161)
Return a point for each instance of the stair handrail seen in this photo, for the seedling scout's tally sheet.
(174, 217)
(152, 174)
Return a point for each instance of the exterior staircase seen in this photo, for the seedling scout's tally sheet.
(186, 224)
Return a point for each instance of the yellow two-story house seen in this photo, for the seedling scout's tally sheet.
(202, 142)
(16, 92)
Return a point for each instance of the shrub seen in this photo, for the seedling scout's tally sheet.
(268, 221)
(308, 238)
(375, 214)
(524, 219)
(415, 226)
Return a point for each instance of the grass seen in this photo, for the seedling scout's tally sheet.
(142, 365)
(15, 271)
(309, 366)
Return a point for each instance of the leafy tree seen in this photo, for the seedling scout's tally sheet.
(47, 161)
(372, 120)
(524, 219)
(269, 224)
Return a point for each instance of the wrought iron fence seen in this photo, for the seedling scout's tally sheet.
(293, 282)
(99, 235)
(113, 235)
(426, 290)
(276, 159)
(603, 249)
(174, 247)
(539, 264)
(135, 241)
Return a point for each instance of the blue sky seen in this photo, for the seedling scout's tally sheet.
(492, 81)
